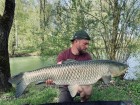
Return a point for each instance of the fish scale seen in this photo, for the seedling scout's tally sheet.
(72, 73)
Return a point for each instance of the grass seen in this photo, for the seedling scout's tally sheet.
(33, 95)
(123, 90)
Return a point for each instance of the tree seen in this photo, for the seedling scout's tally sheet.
(114, 28)
(45, 17)
(6, 21)
(43, 24)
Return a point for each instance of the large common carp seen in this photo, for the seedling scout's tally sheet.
(71, 74)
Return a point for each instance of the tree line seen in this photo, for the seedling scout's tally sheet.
(46, 27)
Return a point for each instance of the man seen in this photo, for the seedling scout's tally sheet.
(80, 42)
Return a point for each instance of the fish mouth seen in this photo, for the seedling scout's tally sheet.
(125, 70)
(122, 73)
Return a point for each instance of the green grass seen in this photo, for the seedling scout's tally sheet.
(39, 94)
(33, 95)
(121, 90)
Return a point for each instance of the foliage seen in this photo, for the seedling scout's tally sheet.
(1, 7)
(47, 26)
(138, 75)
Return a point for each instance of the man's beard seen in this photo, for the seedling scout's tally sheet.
(81, 51)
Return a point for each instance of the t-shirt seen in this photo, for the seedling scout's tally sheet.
(67, 54)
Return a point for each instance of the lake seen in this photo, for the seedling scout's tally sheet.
(22, 64)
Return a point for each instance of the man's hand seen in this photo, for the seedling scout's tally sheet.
(49, 82)
(59, 62)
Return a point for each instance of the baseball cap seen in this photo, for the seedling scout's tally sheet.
(80, 35)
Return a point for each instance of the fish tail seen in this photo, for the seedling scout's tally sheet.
(16, 79)
(21, 84)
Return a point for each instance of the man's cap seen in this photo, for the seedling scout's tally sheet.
(80, 35)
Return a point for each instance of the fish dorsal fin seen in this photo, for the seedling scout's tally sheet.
(69, 61)
(73, 89)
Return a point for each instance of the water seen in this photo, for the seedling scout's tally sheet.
(134, 67)
(22, 64)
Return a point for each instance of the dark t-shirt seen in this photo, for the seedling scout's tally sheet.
(67, 54)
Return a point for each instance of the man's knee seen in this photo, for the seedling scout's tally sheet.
(87, 89)
(85, 92)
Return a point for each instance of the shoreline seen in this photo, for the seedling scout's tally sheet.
(24, 54)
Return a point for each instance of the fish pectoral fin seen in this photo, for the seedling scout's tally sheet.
(40, 82)
(73, 89)
(106, 79)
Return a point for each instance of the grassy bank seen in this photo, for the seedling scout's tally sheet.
(34, 95)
